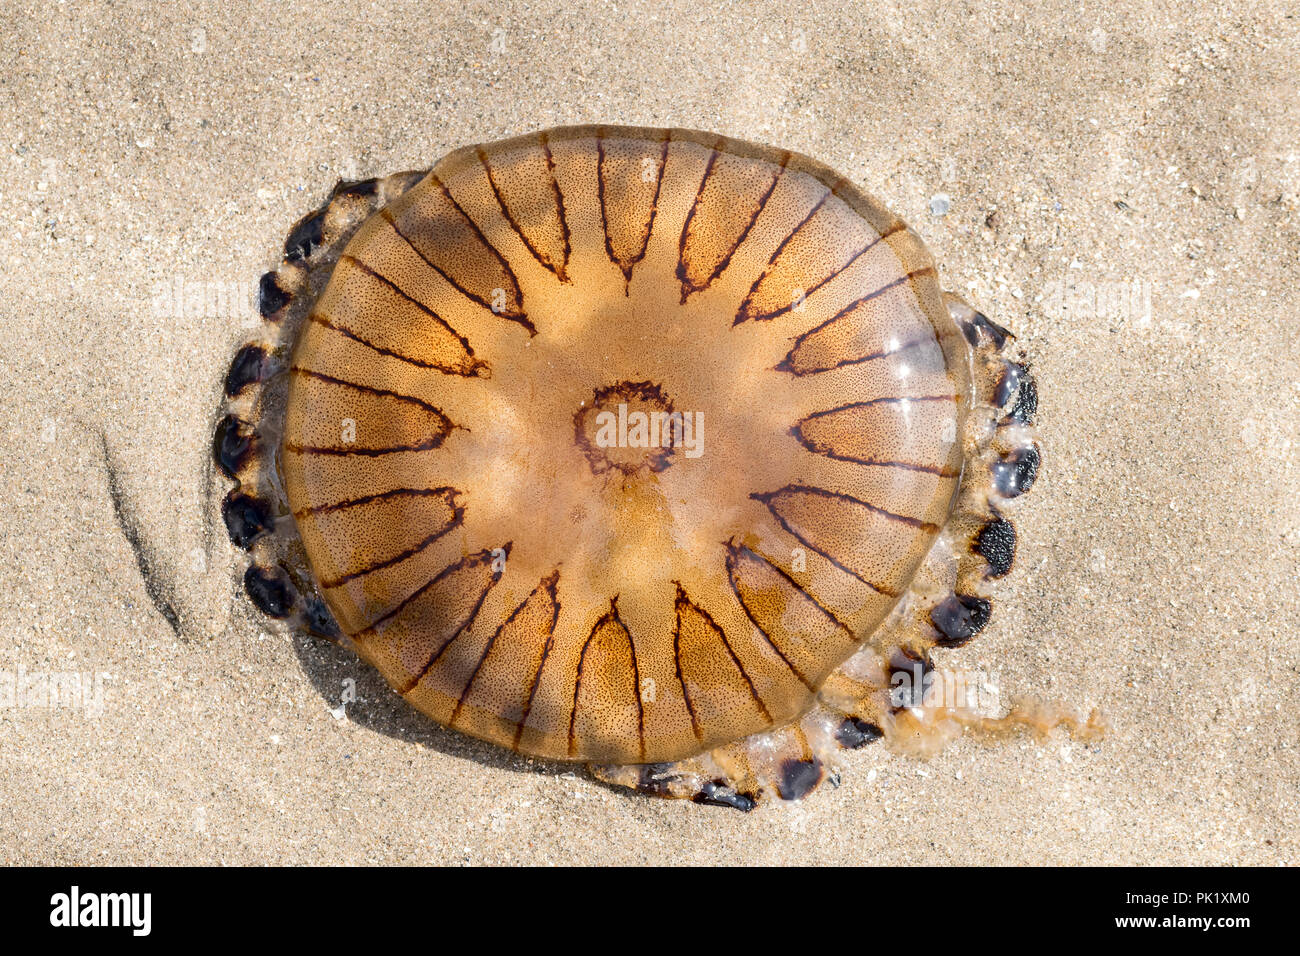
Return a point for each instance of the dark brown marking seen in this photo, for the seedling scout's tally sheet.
(917, 523)
(457, 519)
(787, 364)
(469, 621)
(473, 371)
(817, 449)
(557, 269)
(802, 590)
(445, 425)
(688, 287)
(546, 652)
(429, 444)
(392, 612)
(464, 342)
(767, 500)
(443, 492)
(469, 221)
(545, 142)
(677, 659)
(732, 550)
(883, 400)
(370, 390)
(686, 227)
(547, 584)
(743, 313)
(608, 398)
(627, 267)
(610, 615)
(744, 305)
(517, 317)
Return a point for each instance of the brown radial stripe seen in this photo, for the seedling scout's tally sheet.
(470, 371)
(380, 496)
(444, 426)
(548, 585)
(537, 677)
(392, 612)
(743, 313)
(788, 364)
(520, 318)
(368, 389)
(428, 445)
(740, 550)
(817, 207)
(557, 269)
(545, 143)
(627, 265)
(821, 448)
(917, 523)
(683, 601)
(465, 625)
(609, 619)
(808, 636)
(474, 365)
(799, 587)
(688, 286)
(733, 550)
(766, 498)
(458, 518)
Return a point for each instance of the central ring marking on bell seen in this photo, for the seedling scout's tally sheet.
(633, 427)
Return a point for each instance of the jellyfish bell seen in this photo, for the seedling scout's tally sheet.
(649, 449)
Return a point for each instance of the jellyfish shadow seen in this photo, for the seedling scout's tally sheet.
(345, 681)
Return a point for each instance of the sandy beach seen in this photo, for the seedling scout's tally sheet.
(1117, 183)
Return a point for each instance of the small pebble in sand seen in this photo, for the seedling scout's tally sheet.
(940, 204)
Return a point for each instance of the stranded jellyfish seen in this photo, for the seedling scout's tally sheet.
(648, 449)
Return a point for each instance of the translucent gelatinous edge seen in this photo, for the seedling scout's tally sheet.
(947, 603)
(246, 443)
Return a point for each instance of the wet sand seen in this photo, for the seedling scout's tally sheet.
(1121, 186)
